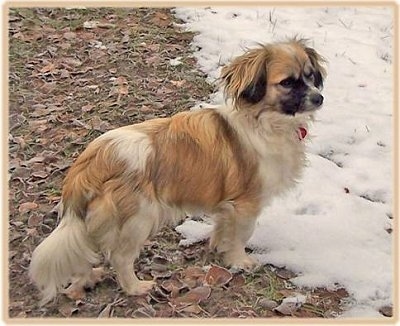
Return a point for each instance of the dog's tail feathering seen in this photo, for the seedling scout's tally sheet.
(66, 252)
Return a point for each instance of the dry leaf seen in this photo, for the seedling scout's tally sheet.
(123, 90)
(284, 273)
(160, 19)
(72, 62)
(48, 68)
(38, 113)
(67, 310)
(36, 123)
(106, 312)
(26, 207)
(38, 106)
(87, 36)
(36, 159)
(35, 220)
(153, 47)
(217, 276)
(160, 274)
(193, 276)
(98, 124)
(153, 60)
(144, 312)
(125, 39)
(192, 309)
(69, 35)
(158, 295)
(40, 174)
(290, 305)
(87, 108)
(267, 303)
(173, 286)
(194, 296)
(178, 83)
(238, 280)
(121, 80)
(21, 172)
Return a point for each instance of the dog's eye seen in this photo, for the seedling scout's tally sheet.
(308, 75)
(288, 82)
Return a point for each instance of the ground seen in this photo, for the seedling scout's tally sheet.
(74, 74)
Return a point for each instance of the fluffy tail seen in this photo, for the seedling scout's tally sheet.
(65, 253)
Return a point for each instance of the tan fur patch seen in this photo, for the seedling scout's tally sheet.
(198, 161)
(86, 177)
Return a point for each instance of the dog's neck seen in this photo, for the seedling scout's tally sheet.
(272, 126)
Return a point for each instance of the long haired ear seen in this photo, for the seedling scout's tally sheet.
(316, 59)
(245, 79)
(319, 71)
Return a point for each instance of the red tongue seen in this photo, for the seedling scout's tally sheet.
(302, 132)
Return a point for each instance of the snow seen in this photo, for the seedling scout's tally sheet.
(330, 229)
(175, 62)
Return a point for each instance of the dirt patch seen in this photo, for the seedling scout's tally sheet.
(75, 74)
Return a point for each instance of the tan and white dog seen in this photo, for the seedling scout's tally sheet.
(227, 162)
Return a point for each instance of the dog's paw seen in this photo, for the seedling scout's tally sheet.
(140, 288)
(96, 276)
(75, 292)
(242, 261)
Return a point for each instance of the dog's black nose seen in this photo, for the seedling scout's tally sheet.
(317, 99)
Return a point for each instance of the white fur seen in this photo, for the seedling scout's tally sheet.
(67, 251)
(274, 138)
(132, 146)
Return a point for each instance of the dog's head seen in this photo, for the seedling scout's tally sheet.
(286, 77)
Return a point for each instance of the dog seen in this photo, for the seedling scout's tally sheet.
(227, 162)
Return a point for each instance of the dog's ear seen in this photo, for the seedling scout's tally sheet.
(317, 62)
(245, 79)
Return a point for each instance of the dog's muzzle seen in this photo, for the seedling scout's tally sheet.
(316, 100)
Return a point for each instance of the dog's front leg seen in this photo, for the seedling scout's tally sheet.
(231, 232)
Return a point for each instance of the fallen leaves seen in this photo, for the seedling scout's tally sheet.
(290, 305)
(69, 35)
(217, 276)
(193, 297)
(161, 19)
(120, 87)
(34, 220)
(174, 286)
(87, 108)
(50, 67)
(67, 310)
(27, 207)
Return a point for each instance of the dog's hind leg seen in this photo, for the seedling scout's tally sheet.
(122, 260)
(120, 229)
(131, 238)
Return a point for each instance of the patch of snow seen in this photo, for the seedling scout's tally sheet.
(332, 228)
(175, 62)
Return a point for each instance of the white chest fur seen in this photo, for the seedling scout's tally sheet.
(274, 139)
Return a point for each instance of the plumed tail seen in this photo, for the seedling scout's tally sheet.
(65, 253)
